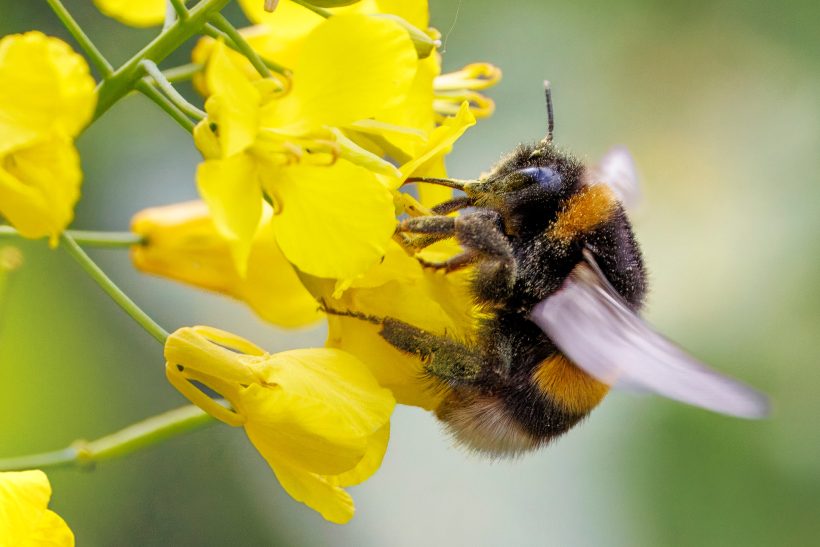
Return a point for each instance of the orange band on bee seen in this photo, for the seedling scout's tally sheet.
(567, 385)
(583, 212)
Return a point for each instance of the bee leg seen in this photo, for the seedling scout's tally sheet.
(442, 226)
(447, 207)
(485, 245)
(413, 244)
(443, 358)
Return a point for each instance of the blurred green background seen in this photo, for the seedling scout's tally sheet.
(718, 101)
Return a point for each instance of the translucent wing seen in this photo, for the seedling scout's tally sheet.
(592, 325)
(617, 170)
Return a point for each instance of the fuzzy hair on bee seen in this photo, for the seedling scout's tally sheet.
(557, 269)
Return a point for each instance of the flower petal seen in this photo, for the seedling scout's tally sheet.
(325, 91)
(137, 13)
(24, 518)
(317, 410)
(234, 103)
(230, 187)
(441, 140)
(333, 503)
(46, 90)
(331, 221)
(39, 187)
(369, 464)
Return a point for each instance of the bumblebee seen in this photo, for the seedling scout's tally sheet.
(558, 270)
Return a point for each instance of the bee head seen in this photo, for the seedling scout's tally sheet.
(528, 187)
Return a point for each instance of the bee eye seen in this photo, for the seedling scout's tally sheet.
(544, 176)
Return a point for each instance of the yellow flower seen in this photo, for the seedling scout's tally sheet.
(182, 243)
(317, 416)
(46, 98)
(25, 519)
(137, 13)
(332, 215)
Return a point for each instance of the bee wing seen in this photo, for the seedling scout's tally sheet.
(592, 325)
(617, 170)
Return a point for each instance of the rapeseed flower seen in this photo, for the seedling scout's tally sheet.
(317, 416)
(181, 242)
(46, 99)
(332, 216)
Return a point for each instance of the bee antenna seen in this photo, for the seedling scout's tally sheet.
(550, 120)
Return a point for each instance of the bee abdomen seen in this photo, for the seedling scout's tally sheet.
(522, 416)
(485, 424)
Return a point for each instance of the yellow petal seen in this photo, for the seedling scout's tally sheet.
(317, 411)
(417, 109)
(47, 90)
(415, 12)
(333, 503)
(184, 244)
(24, 518)
(333, 221)
(231, 189)
(339, 80)
(137, 13)
(441, 140)
(369, 464)
(39, 186)
(291, 17)
(234, 105)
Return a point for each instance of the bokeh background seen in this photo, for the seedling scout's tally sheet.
(719, 102)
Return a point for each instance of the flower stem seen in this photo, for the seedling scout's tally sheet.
(238, 42)
(92, 238)
(113, 240)
(120, 443)
(125, 78)
(179, 7)
(315, 9)
(113, 291)
(217, 34)
(172, 94)
(165, 103)
(102, 64)
(182, 72)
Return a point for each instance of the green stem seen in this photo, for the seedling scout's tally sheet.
(172, 94)
(182, 73)
(112, 240)
(92, 238)
(124, 78)
(165, 103)
(102, 64)
(113, 291)
(315, 9)
(237, 41)
(120, 443)
(217, 34)
(179, 7)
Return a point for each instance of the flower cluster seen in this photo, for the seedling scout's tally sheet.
(313, 119)
(301, 184)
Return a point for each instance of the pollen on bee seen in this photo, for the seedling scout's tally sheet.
(583, 212)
